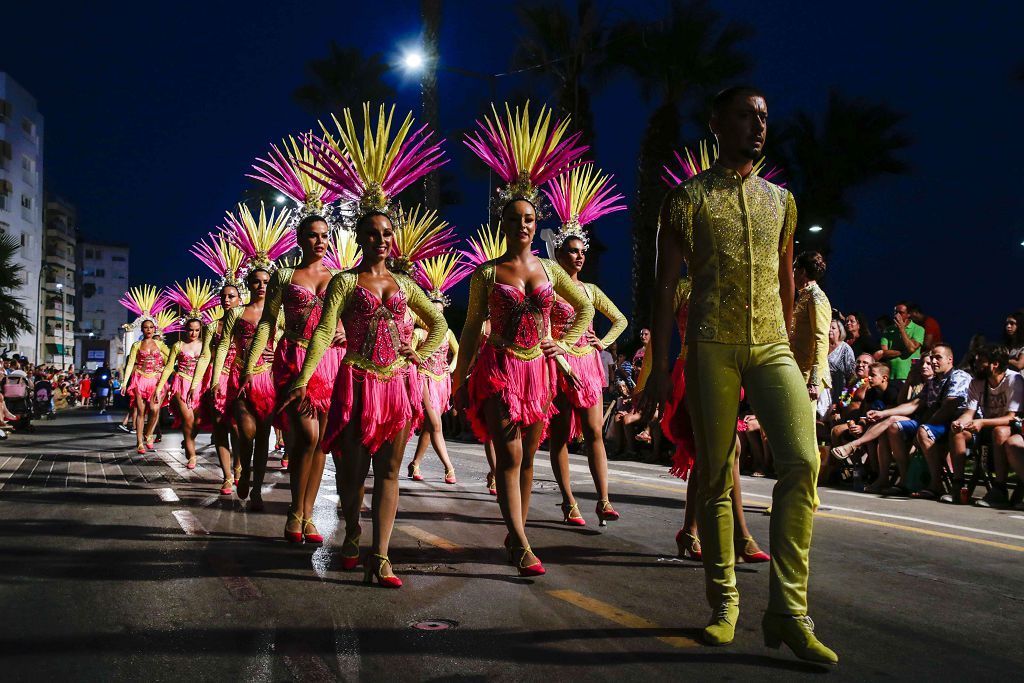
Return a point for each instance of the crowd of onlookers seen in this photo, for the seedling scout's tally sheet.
(905, 415)
(29, 391)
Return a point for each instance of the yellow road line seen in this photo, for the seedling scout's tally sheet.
(925, 532)
(618, 616)
(870, 522)
(431, 539)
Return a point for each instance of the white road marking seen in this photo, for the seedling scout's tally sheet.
(167, 495)
(189, 524)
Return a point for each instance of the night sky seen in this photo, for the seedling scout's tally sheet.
(153, 118)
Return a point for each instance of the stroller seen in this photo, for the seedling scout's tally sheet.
(16, 397)
(42, 400)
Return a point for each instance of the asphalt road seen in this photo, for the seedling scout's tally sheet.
(115, 566)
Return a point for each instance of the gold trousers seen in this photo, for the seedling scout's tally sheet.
(777, 393)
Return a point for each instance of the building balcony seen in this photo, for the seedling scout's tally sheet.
(51, 287)
(51, 340)
(58, 258)
(55, 312)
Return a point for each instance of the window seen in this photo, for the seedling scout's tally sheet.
(5, 111)
(28, 127)
(26, 240)
(88, 253)
(100, 272)
(118, 259)
(4, 205)
(26, 201)
(99, 253)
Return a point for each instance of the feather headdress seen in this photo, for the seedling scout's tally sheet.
(488, 245)
(691, 164)
(225, 259)
(342, 251)
(145, 302)
(167, 321)
(262, 240)
(580, 197)
(437, 274)
(370, 170)
(524, 155)
(287, 173)
(192, 299)
(421, 235)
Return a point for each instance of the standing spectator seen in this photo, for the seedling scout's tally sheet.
(1013, 340)
(993, 401)
(638, 357)
(811, 317)
(900, 345)
(85, 389)
(102, 384)
(932, 331)
(842, 361)
(858, 335)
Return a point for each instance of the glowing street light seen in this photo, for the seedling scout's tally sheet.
(814, 228)
(280, 199)
(413, 60)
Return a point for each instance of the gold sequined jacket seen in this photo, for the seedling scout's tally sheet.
(733, 231)
(812, 317)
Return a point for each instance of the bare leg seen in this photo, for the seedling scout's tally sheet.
(139, 422)
(433, 432)
(386, 464)
(592, 423)
(301, 440)
(187, 418)
(558, 445)
(508, 453)
(247, 430)
(223, 447)
(314, 472)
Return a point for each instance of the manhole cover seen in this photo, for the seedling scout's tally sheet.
(434, 624)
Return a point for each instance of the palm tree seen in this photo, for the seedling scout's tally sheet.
(854, 143)
(13, 316)
(679, 62)
(566, 54)
(344, 78)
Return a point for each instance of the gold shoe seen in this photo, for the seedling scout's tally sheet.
(797, 632)
(721, 628)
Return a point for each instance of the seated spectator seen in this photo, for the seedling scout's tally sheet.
(878, 395)
(858, 335)
(932, 331)
(841, 359)
(993, 401)
(943, 399)
(849, 400)
(900, 345)
(1013, 339)
(882, 425)
(976, 344)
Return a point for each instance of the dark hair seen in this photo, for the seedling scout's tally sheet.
(725, 97)
(812, 263)
(194, 320)
(251, 273)
(365, 218)
(865, 331)
(234, 287)
(943, 345)
(308, 221)
(914, 308)
(561, 247)
(997, 353)
(1017, 340)
(512, 201)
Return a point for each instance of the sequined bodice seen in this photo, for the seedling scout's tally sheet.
(149, 362)
(436, 364)
(243, 334)
(376, 329)
(562, 317)
(521, 320)
(187, 363)
(302, 310)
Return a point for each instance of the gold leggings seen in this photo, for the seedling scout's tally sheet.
(777, 393)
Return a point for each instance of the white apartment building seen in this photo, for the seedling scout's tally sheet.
(21, 200)
(57, 322)
(102, 279)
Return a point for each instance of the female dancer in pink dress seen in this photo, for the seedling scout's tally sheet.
(437, 275)
(580, 197)
(145, 364)
(251, 397)
(377, 397)
(225, 259)
(510, 395)
(300, 292)
(183, 361)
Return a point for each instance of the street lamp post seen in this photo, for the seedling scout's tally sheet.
(63, 336)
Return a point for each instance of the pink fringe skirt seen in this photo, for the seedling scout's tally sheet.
(437, 392)
(145, 386)
(591, 386)
(288, 360)
(387, 406)
(677, 427)
(525, 387)
(261, 395)
(179, 386)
